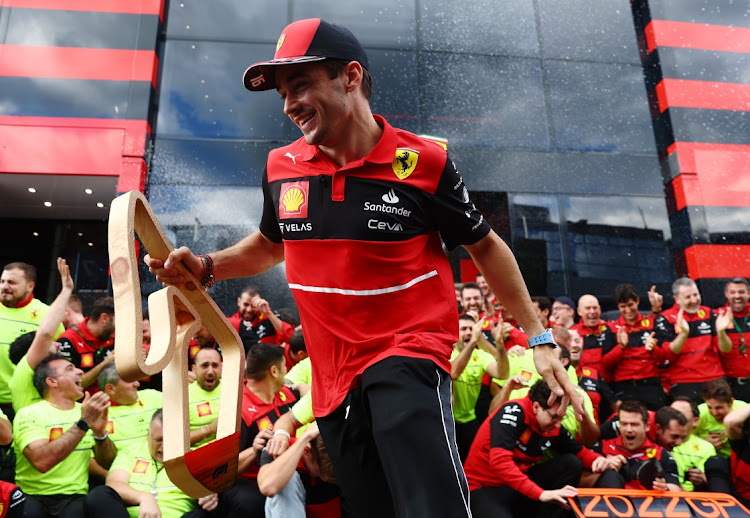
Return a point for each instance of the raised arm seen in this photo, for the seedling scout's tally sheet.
(45, 334)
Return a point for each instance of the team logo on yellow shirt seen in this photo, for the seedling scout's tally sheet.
(204, 409)
(55, 432)
(405, 162)
(526, 375)
(110, 427)
(87, 360)
(140, 466)
(34, 314)
(696, 448)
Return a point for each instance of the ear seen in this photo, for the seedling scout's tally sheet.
(353, 73)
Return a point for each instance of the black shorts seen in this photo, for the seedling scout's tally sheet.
(392, 443)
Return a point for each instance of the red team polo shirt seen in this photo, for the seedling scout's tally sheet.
(364, 257)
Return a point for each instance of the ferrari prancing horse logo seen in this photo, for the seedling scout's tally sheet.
(405, 162)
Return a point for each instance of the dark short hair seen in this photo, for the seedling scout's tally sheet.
(543, 303)
(260, 358)
(693, 405)
(195, 358)
(29, 271)
(466, 316)
(540, 393)
(20, 346)
(564, 353)
(104, 305)
(335, 66)
(635, 407)
(250, 290)
(44, 371)
(739, 280)
(717, 389)
(625, 292)
(297, 342)
(667, 414)
(323, 460)
(289, 316)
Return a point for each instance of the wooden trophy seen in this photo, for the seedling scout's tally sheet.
(175, 315)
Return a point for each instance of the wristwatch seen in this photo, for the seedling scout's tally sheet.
(83, 425)
(546, 338)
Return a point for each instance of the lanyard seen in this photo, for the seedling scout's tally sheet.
(741, 331)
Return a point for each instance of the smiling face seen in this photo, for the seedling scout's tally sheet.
(576, 346)
(589, 310)
(67, 379)
(629, 310)
(14, 287)
(671, 436)
(472, 300)
(689, 298)
(316, 104)
(632, 429)
(737, 295)
(718, 409)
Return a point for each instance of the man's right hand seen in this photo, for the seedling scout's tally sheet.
(148, 507)
(94, 406)
(167, 274)
(261, 439)
(559, 496)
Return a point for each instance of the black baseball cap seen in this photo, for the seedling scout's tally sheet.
(305, 41)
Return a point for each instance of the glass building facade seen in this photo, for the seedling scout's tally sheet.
(568, 120)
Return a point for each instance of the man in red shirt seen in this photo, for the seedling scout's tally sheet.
(507, 473)
(255, 321)
(736, 363)
(360, 212)
(90, 345)
(595, 333)
(628, 451)
(692, 346)
(634, 359)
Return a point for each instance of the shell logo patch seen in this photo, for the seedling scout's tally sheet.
(194, 350)
(264, 423)
(55, 433)
(280, 42)
(140, 466)
(525, 436)
(293, 199)
(602, 328)
(701, 313)
(405, 162)
(110, 427)
(586, 372)
(204, 409)
(34, 314)
(526, 375)
(87, 360)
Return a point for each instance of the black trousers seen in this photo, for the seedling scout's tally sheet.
(392, 443)
(59, 506)
(690, 390)
(648, 391)
(504, 502)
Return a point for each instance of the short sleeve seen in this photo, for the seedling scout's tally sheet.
(28, 429)
(269, 221)
(456, 217)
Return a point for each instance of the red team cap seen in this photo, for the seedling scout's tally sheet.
(305, 41)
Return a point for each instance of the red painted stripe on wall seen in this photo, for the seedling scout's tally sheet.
(100, 6)
(683, 93)
(132, 175)
(665, 33)
(715, 175)
(717, 261)
(58, 150)
(136, 131)
(78, 63)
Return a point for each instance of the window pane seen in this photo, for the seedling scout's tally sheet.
(617, 239)
(507, 28)
(599, 107)
(537, 243)
(484, 100)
